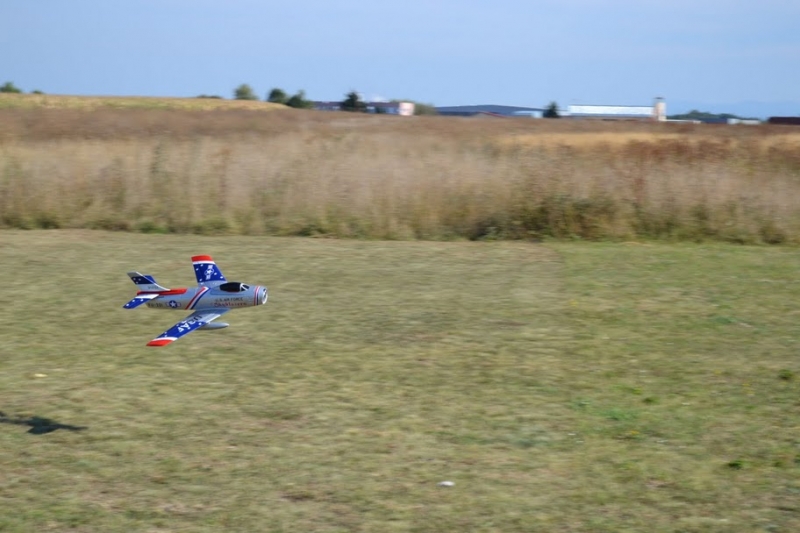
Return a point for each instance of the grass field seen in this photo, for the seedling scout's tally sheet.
(567, 387)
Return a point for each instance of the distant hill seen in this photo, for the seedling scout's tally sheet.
(749, 108)
(706, 116)
(31, 101)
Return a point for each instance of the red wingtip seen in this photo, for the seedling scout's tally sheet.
(159, 342)
(202, 258)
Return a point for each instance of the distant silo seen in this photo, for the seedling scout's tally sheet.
(660, 109)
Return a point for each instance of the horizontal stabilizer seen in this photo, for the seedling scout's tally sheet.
(139, 300)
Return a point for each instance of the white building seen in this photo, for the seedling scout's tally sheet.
(404, 109)
(655, 112)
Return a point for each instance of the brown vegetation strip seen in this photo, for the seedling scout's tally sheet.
(241, 171)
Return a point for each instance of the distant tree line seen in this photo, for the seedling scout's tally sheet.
(352, 101)
(9, 87)
(276, 95)
(298, 100)
(694, 114)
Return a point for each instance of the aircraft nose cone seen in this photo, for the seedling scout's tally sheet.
(263, 295)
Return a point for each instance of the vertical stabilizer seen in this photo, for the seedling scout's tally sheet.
(145, 282)
(206, 271)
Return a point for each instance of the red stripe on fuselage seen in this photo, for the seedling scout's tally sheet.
(170, 292)
(196, 297)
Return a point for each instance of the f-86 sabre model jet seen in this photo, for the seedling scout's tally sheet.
(213, 297)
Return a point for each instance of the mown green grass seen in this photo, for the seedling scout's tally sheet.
(563, 387)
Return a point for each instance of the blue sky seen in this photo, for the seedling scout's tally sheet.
(445, 52)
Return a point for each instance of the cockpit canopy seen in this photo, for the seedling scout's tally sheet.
(234, 286)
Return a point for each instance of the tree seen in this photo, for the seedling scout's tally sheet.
(424, 109)
(244, 92)
(551, 111)
(277, 96)
(299, 101)
(354, 103)
(9, 87)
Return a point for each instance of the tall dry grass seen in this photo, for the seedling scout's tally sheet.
(314, 173)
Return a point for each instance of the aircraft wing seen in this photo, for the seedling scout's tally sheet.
(198, 319)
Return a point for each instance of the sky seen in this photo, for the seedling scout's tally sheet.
(445, 52)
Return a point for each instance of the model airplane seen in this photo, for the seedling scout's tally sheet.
(213, 297)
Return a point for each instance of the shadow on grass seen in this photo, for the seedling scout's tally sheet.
(38, 425)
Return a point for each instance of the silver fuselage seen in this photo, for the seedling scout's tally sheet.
(202, 297)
